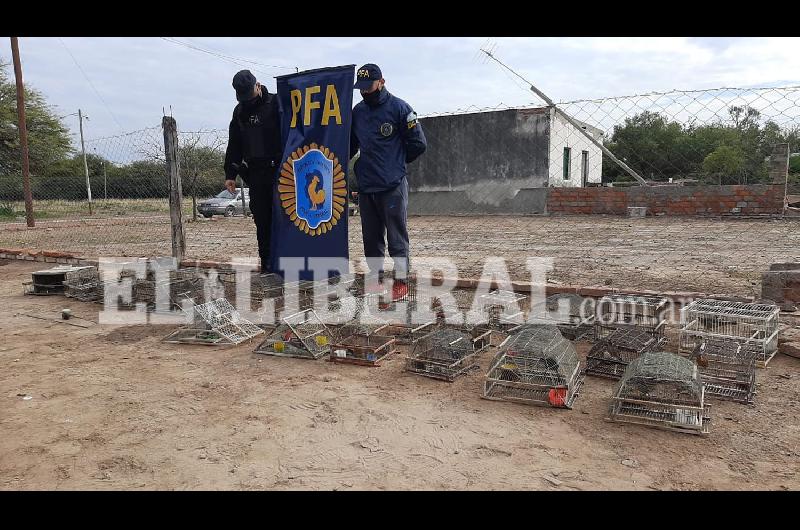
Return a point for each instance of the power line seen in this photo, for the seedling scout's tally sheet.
(230, 58)
(91, 84)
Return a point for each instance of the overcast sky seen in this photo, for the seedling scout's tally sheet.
(136, 77)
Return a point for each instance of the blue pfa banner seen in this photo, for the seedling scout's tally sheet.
(310, 205)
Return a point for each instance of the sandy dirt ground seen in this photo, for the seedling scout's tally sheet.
(112, 407)
(664, 254)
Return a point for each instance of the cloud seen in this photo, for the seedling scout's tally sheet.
(137, 77)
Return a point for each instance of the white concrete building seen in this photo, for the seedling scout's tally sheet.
(574, 161)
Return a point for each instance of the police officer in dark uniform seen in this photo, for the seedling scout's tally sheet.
(254, 151)
(386, 130)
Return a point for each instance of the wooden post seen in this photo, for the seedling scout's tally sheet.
(23, 133)
(175, 190)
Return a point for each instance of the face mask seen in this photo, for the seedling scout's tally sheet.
(372, 98)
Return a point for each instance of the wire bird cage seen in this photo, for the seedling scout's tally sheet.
(663, 390)
(406, 334)
(298, 295)
(311, 332)
(84, 284)
(341, 309)
(361, 346)
(355, 327)
(727, 369)
(535, 365)
(446, 353)
(178, 286)
(271, 285)
(755, 326)
(610, 356)
(283, 342)
(500, 304)
(617, 311)
(215, 322)
(574, 315)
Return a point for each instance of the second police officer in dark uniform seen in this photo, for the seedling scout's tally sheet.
(386, 131)
(254, 151)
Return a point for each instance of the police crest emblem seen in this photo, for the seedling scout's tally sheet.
(313, 189)
(387, 129)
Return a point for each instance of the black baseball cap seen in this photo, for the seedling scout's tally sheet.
(366, 75)
(243, 83)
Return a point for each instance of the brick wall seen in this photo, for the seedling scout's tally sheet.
(669, 200)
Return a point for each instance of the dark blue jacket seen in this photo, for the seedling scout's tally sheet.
(389, 136)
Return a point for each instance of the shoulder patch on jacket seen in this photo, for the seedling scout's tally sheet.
(411, 119)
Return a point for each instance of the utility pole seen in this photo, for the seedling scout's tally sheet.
(85, 163)
(23, 133)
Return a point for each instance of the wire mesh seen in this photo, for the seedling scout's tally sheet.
(311, 331)
(661, 389)
(84, 284)
(367, 349)
(536, 365)
(610, 356)
(617, 311)
(221, 317)
(574, 315)
(753, 325)
(446, 353)
(727, 369)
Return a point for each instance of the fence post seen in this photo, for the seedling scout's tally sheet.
(175, 191)
(23, 133)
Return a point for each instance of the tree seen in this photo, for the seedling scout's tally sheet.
(650, 144)
(48, 137)
(66, 178)
(660, 149)
(201, 166)
(725, 161)
(794, 165)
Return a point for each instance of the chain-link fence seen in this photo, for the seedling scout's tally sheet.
(721, 136)
(500, 161)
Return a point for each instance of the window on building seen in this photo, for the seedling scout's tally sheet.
(567, 158)
(585, 167)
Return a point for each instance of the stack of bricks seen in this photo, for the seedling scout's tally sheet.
(781, 284)
(757, 199)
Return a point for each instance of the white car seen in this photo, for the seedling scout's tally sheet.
(225, 203)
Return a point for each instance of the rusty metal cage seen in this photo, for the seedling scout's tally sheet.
(84, 284)
(535, 365)
(617, 311)
(663, 390)
(610, 356)
(178, 285)
(755, 326)
(727, 368)
(366, 349)
(446, 353)
(574, 315)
